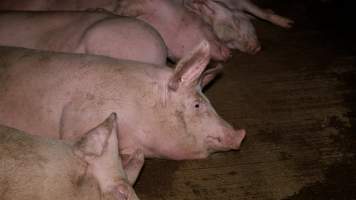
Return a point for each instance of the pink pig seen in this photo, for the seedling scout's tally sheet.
(230, 22)
(181, 30)
(99, 33)
(161, 111)
(40, 168)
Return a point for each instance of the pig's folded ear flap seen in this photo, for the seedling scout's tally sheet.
(190, 68)
(95, 141)
(210, 73)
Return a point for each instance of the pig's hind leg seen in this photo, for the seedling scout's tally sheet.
(266, 14)
(133, 164)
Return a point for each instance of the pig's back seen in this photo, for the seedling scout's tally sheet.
(37, 5)
(46, 30)
(15, 160)
(33, 167)
(36, 86)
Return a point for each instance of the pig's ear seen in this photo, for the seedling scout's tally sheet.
(95, 141)
(210, 73)
(190, 68)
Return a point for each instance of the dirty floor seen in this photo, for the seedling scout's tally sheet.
(296, 100)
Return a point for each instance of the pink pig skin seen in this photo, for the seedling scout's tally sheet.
(181, 30)
(99, 33)
(161, 111)
(231, 21)
(40, 168)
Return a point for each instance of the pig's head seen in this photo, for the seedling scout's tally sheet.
(189, 126)
(245, 38)
(99, 149)
(232, 27)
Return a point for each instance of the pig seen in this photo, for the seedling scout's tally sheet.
(40, 168)
(163, 112)
(231, 24)
(56, 5)
(181, 30)
(249, 7)
(233, 28)
(100, 33)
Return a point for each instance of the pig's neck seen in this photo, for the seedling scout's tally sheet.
(153, 94)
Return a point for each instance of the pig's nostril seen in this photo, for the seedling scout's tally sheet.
(240, 136)
(226, 52)
(258, 49)
(253, 50)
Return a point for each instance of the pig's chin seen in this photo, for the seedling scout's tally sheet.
(214, 144)
(225, 143)
(250, 48)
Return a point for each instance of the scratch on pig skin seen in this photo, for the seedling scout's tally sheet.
(180, 117)
(61, 122)
(3, 75)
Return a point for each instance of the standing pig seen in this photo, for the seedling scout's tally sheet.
(34, 167)
(231, 24)
(181, 30)
(163, 112)
(100, 33)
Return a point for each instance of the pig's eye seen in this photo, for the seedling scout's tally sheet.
(196, 105)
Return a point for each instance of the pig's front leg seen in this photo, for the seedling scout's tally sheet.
(265, 14)
(133, 164)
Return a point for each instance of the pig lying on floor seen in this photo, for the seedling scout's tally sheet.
(162, 111)
(100, 33)
(230, 22)
(38, 168)
(181, 30)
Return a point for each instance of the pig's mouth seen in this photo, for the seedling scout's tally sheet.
(226, 142)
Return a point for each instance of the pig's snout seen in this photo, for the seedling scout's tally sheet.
(231, 139)
(219, 51)
(234, 138)
(252, 47)
(225, 53)
(255, 49)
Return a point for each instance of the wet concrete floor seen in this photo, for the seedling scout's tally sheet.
(295, 98)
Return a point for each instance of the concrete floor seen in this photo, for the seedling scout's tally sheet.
(296, 101)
